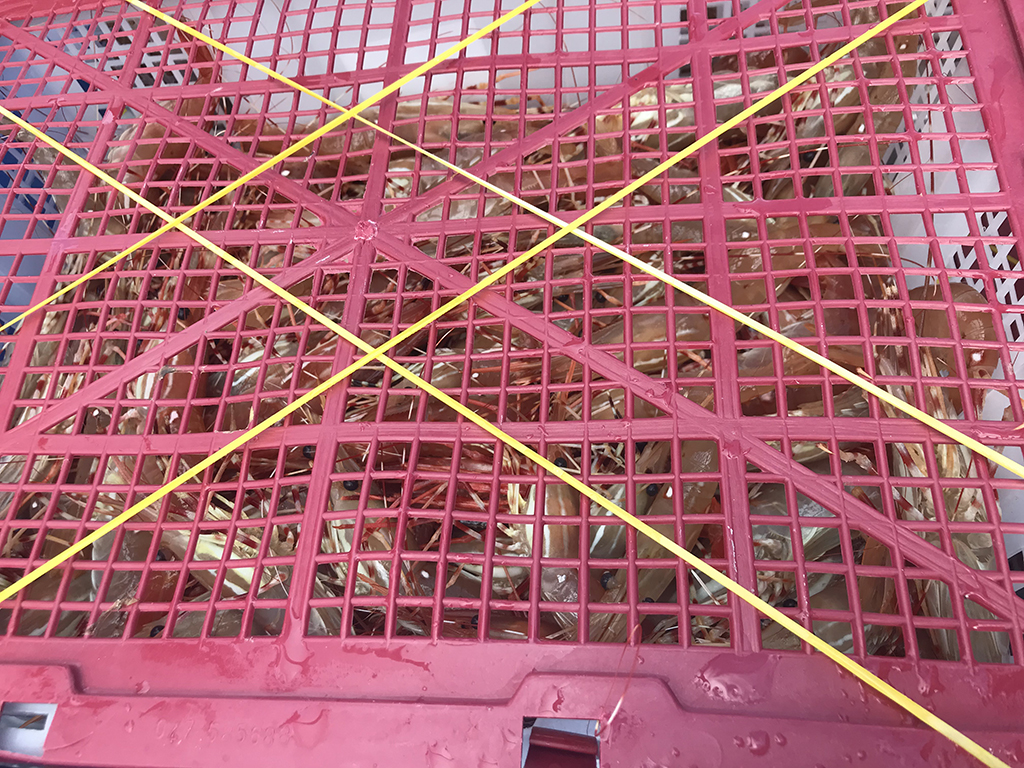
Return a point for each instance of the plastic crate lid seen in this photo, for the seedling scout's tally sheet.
(247, 594)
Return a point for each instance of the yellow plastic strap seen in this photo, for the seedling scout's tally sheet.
(983, 755)
(286, 153)
(741, 592)
(689, 290)
(882, 394)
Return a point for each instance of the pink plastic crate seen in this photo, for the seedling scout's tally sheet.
(222, 626)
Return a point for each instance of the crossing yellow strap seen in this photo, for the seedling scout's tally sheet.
(245, 178)
(741, 592)
(882, 394)
(839, 370)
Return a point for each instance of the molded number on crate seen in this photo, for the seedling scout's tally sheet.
(265, 735)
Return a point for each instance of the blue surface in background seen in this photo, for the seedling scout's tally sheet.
(43, 205)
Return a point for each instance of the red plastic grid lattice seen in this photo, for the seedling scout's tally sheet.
(931, 209)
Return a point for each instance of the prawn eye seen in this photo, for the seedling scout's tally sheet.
(606, 579)
(640, 447)
(599, 297)
(309, 451)
(561, 463)
(652, 489)
(155, 631)
(789, 603)
(475, 620)
(648, 599)
(350, 485)
(183, 314)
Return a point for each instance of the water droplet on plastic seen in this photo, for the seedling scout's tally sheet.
(142, 687)
(780, 739)
(676, 752)
(741, 680)
(759, 743)
(365, 230)
(863, 691)
(556, 706)
(1017, 752)
(739, 741)
(129, 726)
(862, 755)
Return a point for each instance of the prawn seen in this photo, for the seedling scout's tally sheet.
(696, 457)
